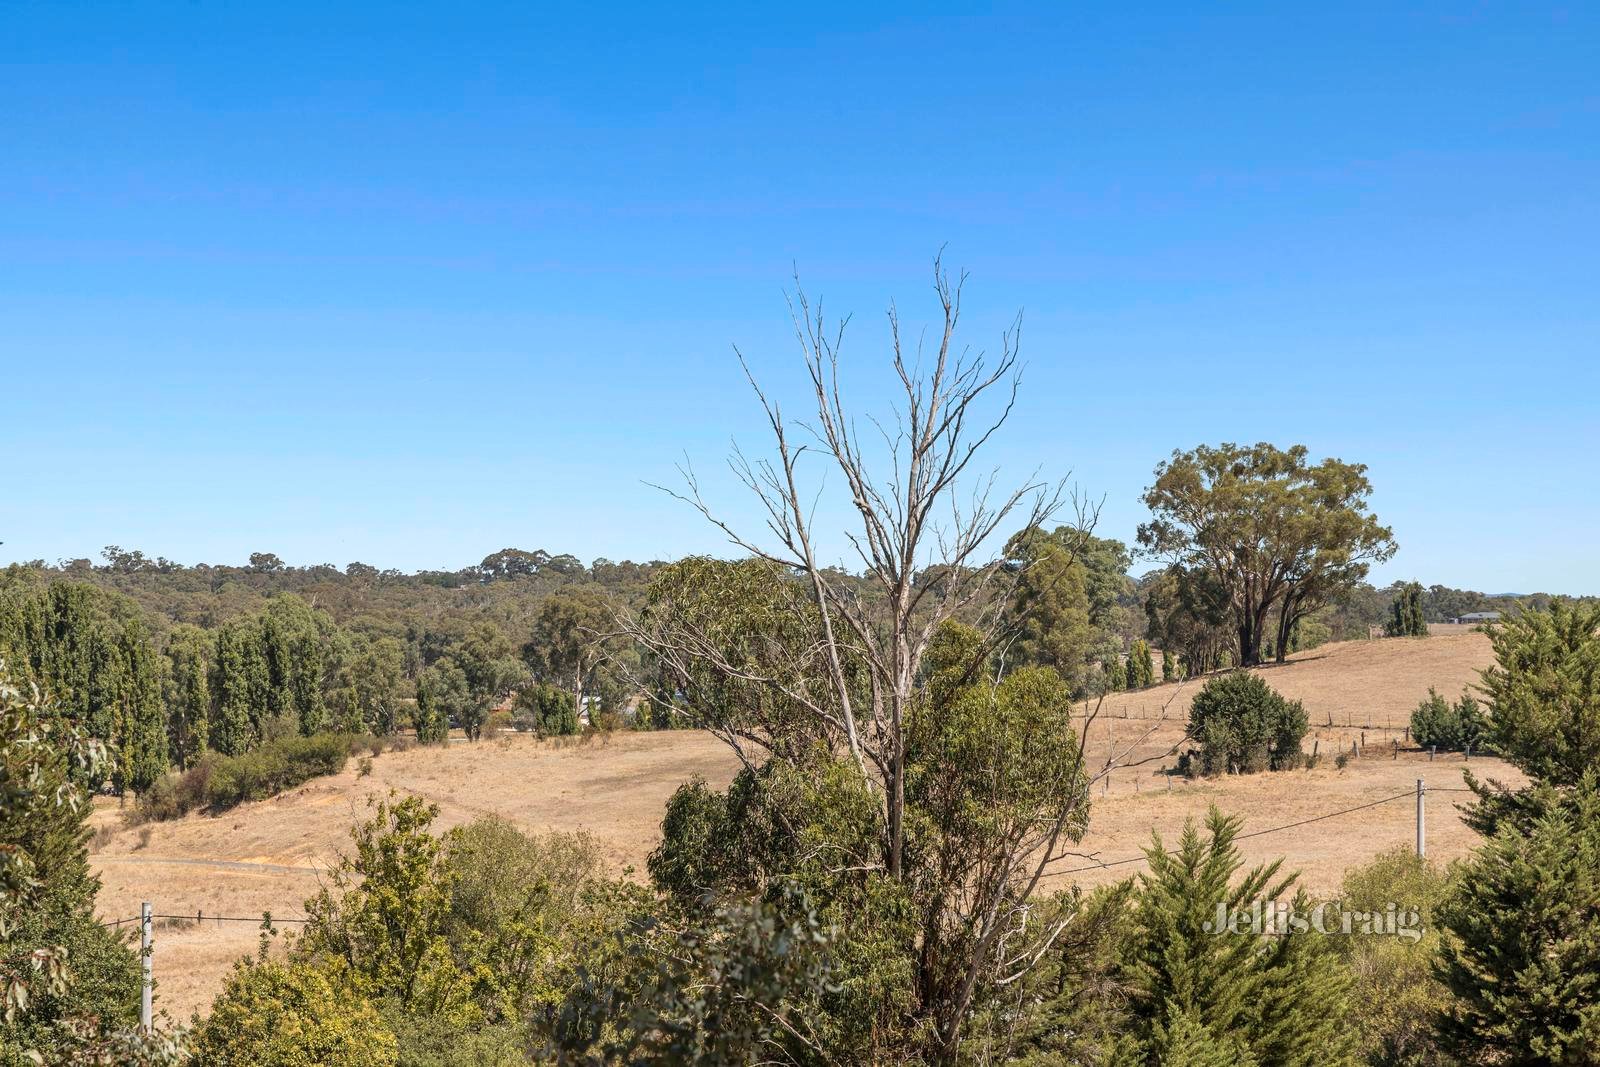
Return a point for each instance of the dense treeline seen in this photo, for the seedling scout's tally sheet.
(172, 661)
(166, 662)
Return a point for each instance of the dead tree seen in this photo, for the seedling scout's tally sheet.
(923, 533)
(912, 520)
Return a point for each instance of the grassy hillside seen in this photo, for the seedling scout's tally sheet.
(245, 862)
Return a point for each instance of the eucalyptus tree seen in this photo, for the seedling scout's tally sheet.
(575, 636)
(1267, 529)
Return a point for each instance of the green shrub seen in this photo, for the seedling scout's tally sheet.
(1243, 726)
(292, 1015)
(1452, 727)
(1393, 976)
(547, 710)
(1200, 995)
(218, 782)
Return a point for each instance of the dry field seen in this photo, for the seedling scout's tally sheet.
(267, 856)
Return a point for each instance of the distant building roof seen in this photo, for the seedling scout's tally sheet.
(1480, 616)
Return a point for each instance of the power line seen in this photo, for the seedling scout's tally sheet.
(1142, 857)
(1242, 837)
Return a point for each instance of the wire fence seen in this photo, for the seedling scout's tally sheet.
(200, 918)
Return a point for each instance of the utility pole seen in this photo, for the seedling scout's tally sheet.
(1422, 833)
(146, 995)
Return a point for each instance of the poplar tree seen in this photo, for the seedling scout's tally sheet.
(188, 694)
(85, 649)
(142, 730)
(239, 685)
(1405, 614)
(1141, 672)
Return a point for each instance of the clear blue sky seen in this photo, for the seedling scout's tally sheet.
(411, 283)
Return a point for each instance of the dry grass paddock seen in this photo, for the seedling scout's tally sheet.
(267, 855)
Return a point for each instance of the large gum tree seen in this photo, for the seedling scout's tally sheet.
(1267, 528)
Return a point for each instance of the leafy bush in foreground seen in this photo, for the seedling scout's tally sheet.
(1393, 977)
(289, 1015)
(68, 985)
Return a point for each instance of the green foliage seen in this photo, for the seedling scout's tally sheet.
(432, 1041)
(574, 638)
(384, 913)
(442, 697)
(188, 693)
(1141, 671)
(1405, 614)
(1243, 726)
(991, 769)
(1186, 1041)
(1393, 980)
(217, 783)
(1114, 674)
(548, 709)
(239, 685)
(779, 828)
(464, 940)
(732, 991)
(1451, 727)
(369, 685)
(68, 985)
(754, 630)
(91, 653)
(523, 909)
(489, 669)
(1544, 691)
(290, 670)
(293, 1014)
(1187, 612)
(1200, 991)
(1261, 527)
(1050, 601)
(293, 638)
(1521, 955)
(1071, 1008)
(1169, 666)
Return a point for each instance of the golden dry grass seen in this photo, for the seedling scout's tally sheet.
(616, 792)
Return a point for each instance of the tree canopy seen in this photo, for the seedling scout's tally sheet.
(1266, 529)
